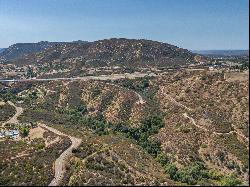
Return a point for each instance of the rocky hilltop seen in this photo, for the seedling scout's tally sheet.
(111, 52)
(19, 50)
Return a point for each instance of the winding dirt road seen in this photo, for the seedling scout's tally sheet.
(60, 162)
(238, 133)
(13, 119)
(140, 98)
(194, 123)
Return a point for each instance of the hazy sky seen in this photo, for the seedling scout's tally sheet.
(191, 24)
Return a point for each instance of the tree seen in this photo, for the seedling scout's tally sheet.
(145, 84)
(171, 170)
(25, 131)
(162, 159)
(30, 72)
(82, 109)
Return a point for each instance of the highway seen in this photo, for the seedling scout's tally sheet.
(101, 77)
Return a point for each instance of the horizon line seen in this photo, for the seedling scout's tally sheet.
(130, 39)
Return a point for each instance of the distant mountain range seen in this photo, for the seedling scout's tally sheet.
(21, 49)
(108, 52)
(1, 50)
(223, 52)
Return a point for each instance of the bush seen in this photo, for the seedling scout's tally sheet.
(82, 109)
(230, 180)
(149, 126)
(162, 159)
(98, 125)
(25, 131)
(39, 146)
(171, 169)
(145, 84)
(214, 175)
(192, 174)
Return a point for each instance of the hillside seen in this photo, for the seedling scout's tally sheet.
(184, 127)
(21, 49)
(206, 118)
(30, 161)
(110, 52)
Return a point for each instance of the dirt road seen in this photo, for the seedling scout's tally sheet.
(238, 133)
(60, 162)
(140, 98)
(174, 101)
(19, 111)
(194, 123)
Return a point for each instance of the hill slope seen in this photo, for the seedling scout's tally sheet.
(21, 49)
(187, 126)
(111, 52)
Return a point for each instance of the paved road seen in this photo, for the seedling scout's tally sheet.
(60, 162)
(101, 77)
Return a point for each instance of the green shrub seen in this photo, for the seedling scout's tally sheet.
(162, 159)
(230, 180)
(172, 170)
(214, 175)
(25, 131)
(39, 146)
(82, 108)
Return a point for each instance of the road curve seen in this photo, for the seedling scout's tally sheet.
(13, 119)
(140, 98)
(60, 162)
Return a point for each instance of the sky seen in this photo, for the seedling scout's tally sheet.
(190, 24)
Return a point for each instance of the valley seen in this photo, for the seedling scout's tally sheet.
(84, 117)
